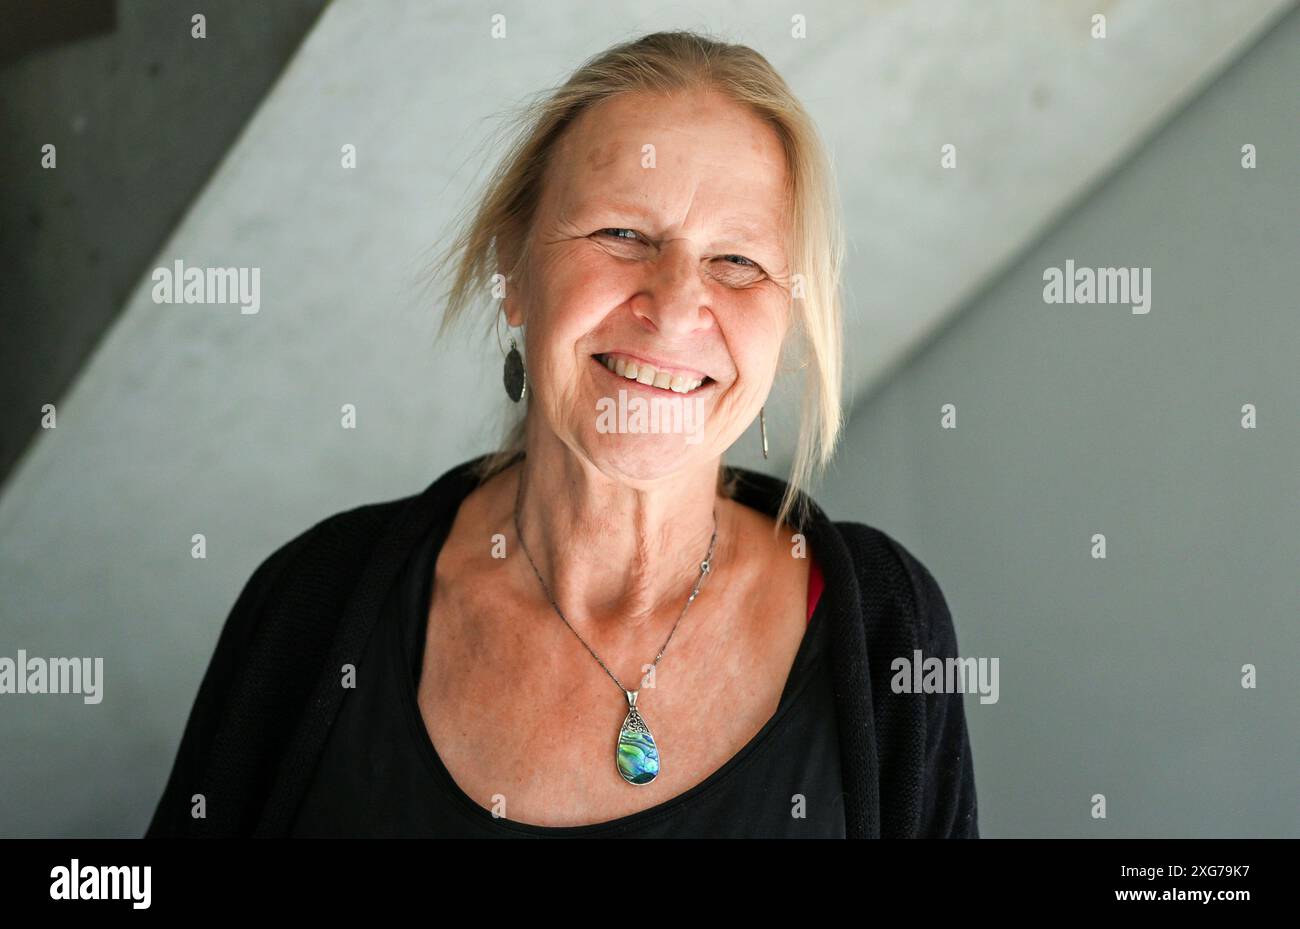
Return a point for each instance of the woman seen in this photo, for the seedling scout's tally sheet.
(600, 629)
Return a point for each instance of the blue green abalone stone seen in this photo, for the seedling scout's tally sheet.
(637, 755)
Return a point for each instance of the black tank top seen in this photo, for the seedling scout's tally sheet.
(380, 775)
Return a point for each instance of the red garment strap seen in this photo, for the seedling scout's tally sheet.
(816, 583)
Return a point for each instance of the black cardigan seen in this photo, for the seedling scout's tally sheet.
(272, 688)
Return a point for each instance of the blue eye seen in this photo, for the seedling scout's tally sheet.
(625, 238)
(616, 232)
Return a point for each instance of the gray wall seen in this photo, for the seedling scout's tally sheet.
(199, 419)
(1123, 676)
(140, 115)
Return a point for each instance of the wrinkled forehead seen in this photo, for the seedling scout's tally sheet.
(636, 146)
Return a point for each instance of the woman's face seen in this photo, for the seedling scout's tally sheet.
(658, 243)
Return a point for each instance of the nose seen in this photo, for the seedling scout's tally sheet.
(674, 299)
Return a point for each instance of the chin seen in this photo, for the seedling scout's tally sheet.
(644, 457)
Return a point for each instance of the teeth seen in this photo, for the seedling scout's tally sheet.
(649, 375)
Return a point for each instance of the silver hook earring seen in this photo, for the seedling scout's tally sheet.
(762, 427)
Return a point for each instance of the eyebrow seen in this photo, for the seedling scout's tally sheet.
(758, 233)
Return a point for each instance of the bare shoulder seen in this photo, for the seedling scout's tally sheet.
(759, 534)
(485, 512)
(767, 561)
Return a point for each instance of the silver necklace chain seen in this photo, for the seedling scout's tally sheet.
(705, 567)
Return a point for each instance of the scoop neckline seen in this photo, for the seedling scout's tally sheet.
(719, 778)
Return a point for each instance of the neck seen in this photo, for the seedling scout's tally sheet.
(612, 551)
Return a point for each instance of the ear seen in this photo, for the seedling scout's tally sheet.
(511, 304)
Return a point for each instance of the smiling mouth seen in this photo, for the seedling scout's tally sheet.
(649, 376)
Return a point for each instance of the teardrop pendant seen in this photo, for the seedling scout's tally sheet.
(636, 754)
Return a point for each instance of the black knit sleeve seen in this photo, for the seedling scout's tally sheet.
(172, 817)
(948, 804)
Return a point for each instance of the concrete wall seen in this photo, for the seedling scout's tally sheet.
(140, 114)
(199, 419)
(1123, 677)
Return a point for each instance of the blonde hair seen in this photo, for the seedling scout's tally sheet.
(665, 62)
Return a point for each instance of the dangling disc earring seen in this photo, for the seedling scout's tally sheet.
(515, 380)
